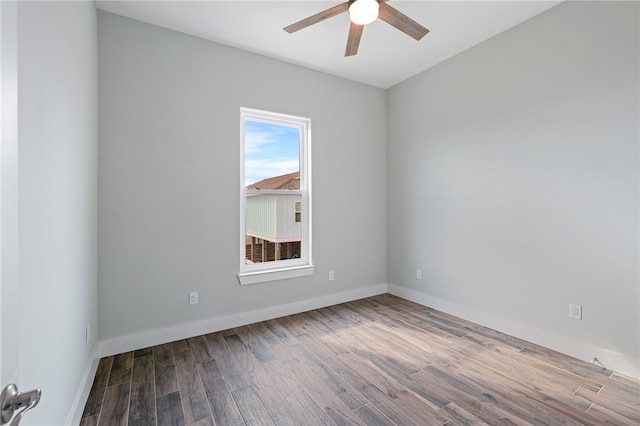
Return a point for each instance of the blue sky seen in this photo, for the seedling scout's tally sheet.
(269, 150)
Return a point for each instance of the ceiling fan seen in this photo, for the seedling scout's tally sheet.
(361, 13)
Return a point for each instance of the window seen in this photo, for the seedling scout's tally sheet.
(297, 212)
(275, 187)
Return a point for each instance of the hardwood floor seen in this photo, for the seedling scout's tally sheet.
(377, 361)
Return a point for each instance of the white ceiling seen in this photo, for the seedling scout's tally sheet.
(386, 55)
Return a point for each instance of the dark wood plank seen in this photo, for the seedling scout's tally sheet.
(223, 406)
(253, 370)
(344, 416)
(618, 379)
(403, 408)
(452, 325)
(374, 375)
(98, 388)
(473, 401)
(604, 416)
(207, 421)
(411, 320)
(121, 369)
(558, 387)
(142, 352)
(322, 393)
(398, 346)
(326, 375)
(349, 312)
(200, 349)
(251, 407)
(332, 361)
(389, 359)
(115, 407)
(194, 400)
(163, 354)
(252, 341)
(304, 407)
(629, 411)
(430, 344)
(267, 336)
(549, 372)
(298, 324)
(341, 317)
(282, 333)
(165, 370)
(278, 407)
(89, 421)
(459, 415)
(180, 346)
(142, 404)
(371, 416)
(321, 321)
(513, 397)
(625, 394)
(360, 308)
(332, 341)
(567, 363)
(232, 372)
(169, 408)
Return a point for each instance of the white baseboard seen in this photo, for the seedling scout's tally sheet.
(75, 414)
(169, 334)
(612, 360)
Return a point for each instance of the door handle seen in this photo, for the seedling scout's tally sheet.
(11, 400)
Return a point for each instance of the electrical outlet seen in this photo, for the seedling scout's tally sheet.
(193, 298)
(331, 276)
(419, 274)
(575, 311)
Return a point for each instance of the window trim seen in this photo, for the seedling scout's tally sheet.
(289, 268)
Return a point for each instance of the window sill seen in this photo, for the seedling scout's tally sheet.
(274, 274)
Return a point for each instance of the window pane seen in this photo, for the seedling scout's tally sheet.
(272, 163)
(271, 156)
(271, 235)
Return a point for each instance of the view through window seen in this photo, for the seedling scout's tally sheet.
(275, 190)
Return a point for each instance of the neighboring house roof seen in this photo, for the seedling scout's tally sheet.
(290, 181)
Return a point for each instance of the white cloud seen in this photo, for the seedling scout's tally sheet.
(254, 141)
(256, 170)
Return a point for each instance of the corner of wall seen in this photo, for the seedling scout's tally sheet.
(612, 360)
(75, 413)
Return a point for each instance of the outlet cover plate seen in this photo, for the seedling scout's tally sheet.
(575, 311)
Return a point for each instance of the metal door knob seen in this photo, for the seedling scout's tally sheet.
(11, 400)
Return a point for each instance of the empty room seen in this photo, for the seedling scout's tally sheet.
(179, 243)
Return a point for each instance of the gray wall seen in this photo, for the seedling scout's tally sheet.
(57, 225)
(169, 177)
(513, 176)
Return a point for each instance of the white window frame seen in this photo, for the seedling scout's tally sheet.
(289, 268)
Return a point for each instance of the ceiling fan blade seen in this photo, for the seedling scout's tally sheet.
(355, 33)
(401, 21)
(318, 17)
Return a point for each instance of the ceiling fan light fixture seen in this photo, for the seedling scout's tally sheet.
(363, 12)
